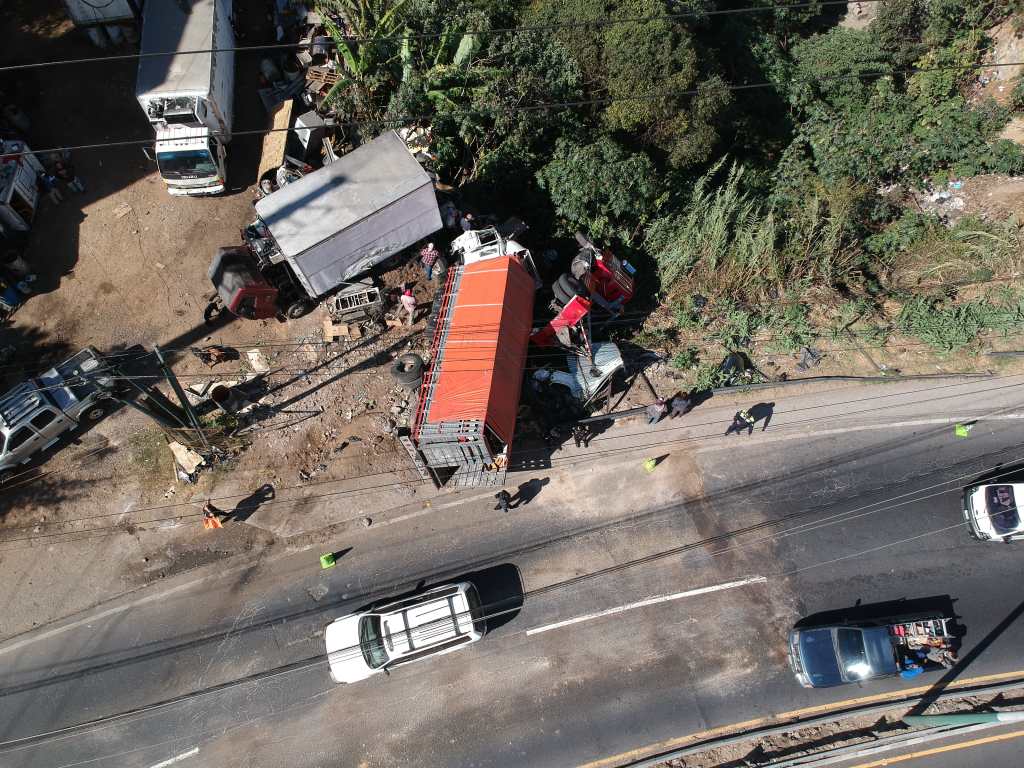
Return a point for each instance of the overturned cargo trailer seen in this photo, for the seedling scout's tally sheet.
(469, 398)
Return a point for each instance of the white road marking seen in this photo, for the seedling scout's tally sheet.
(649, 601)
(177, 759)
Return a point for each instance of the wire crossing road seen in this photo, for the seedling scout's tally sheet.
(650, 612)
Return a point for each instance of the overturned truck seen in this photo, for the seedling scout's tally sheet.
(469, 399)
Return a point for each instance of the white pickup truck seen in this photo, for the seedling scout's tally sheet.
(37, 412)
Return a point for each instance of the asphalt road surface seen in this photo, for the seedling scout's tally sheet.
(634, 631)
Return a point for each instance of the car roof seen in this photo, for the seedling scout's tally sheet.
(426, 621)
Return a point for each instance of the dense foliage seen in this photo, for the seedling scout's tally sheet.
(742, 156)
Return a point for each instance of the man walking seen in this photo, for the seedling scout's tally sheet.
(504, 500)
(408, 302)
(680, 405)
(742, 420)
(428, 260)
(655, 411)
(211, 516)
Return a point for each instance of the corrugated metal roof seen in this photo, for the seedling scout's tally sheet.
(480, 368)
(333, 198)
(166, 27)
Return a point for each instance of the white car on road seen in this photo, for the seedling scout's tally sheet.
(437, 621)
(991, 511)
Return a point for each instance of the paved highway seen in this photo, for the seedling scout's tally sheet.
(647, 616)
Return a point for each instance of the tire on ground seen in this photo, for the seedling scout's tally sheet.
(407, 369)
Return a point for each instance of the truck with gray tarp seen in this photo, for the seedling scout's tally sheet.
(315, 236)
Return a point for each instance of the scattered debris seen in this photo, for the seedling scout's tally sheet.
(257, 361)
(215, 354)
(122, 210)
(185, 459)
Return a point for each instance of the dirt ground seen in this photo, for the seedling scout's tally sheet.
(849, 731)
(124, 264)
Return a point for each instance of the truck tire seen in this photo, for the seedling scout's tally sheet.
(95, 412)
(407, 369)
(570, 286)
(299, 309)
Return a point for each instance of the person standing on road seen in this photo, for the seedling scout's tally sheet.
(211, 516)
(504, 500)
(742, 420)
(681, 405)
(409, 304)
(655, 411)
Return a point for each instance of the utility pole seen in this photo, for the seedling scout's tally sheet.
(185, 404)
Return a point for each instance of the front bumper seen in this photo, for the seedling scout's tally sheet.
(216, 189)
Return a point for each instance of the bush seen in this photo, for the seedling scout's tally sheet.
(948, 327)
(601, 188)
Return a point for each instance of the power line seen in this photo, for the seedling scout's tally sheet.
(489, 613)
(554, 464)
(542, 106)
(494, 31)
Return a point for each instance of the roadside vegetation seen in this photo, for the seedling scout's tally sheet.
(761, 218)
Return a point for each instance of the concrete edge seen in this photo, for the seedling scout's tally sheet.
(791, 724)
(740, 388)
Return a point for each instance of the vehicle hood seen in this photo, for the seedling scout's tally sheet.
(818, 656)
(344, 655)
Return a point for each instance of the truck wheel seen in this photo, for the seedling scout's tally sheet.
(570, 286)
(298, 309)
(407, 369)
(95, 412)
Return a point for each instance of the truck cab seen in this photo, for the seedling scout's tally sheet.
(191, 161)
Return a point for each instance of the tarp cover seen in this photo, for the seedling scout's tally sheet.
(481, 365)
(346, 192)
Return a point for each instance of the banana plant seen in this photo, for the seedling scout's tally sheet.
(368, 48)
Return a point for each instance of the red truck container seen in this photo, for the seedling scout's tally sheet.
(469, 398)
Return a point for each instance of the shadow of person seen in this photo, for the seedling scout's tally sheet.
(248, 506)
(763, 411)
(528, 491)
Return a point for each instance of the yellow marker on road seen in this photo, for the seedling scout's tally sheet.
(650, 464)
(327, 561)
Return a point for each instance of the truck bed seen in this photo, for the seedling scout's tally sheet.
(165, 27)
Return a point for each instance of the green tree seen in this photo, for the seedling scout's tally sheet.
(602, 188)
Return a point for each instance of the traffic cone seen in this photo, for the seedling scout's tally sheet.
(327, 561)
(962, 430)
(650, 464)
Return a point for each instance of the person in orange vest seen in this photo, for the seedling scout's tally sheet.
(211, 516)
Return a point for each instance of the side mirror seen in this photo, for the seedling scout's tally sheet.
(150, 153)
(387, 671)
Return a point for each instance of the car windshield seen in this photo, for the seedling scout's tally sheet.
(192, 163)
(852, 655)
(370, 642)
(1002, 508)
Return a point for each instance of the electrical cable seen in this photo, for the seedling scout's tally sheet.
(443, 626)
(516, 457)
(495, 31)
(543, 106)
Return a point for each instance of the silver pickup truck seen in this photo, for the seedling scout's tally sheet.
(37, 412)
